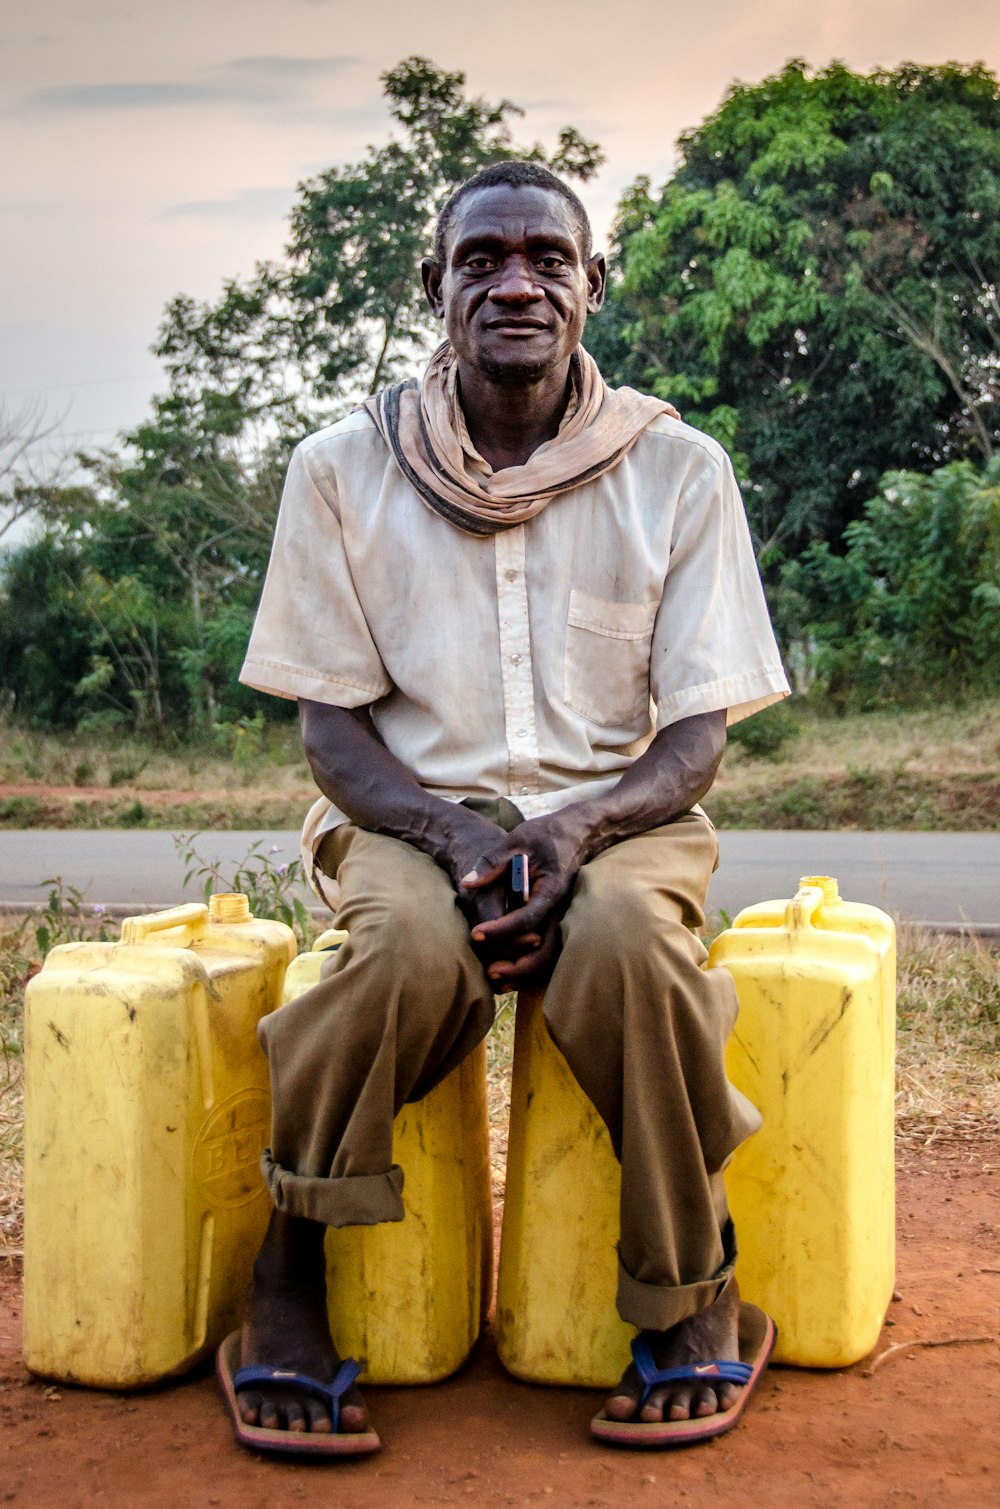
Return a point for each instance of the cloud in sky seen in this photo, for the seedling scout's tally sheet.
(269, 79)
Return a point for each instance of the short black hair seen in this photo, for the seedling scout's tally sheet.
(515, 173)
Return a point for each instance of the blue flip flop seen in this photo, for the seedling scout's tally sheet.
(692, 1372)
(757, 1335)
(262, 1438)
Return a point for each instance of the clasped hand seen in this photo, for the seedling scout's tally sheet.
(524, 942)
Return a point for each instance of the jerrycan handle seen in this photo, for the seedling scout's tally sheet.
(802, 908)
(191, 919)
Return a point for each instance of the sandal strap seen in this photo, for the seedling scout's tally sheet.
(692, 1372)
(330, 1393)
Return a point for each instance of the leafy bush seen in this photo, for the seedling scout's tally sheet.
(766, 734)
(911, 608)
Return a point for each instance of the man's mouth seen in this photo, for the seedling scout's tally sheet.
(517, 327)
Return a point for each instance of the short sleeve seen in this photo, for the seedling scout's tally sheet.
(310, 638)
(713, 645)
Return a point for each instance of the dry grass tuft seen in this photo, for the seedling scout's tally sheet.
(14, 969)
(948, 1037)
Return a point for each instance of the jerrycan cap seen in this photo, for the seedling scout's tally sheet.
(824, 883)
(229, 906)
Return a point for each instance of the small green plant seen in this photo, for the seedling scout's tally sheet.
(66, 918)
(20, 811)
(133, 816)
(269, 887)
(242, 740)
(83, 773)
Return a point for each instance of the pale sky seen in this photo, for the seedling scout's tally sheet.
(153, 148)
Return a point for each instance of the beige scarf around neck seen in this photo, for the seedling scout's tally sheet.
(422, 425)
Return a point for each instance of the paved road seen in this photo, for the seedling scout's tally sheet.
(929, 877)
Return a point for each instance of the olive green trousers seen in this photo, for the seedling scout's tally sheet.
(642, 1024)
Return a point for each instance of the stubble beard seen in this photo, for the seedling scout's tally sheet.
(518, 374)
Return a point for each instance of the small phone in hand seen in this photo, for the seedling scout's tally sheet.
(518, 884)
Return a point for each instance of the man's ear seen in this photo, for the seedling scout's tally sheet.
(597, 277)
(432, 273)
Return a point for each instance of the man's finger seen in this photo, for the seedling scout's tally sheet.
(524, 918)
(529, 964)
(487, 870)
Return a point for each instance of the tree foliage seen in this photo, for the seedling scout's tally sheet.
(136, 605)
(911, 607)
(817, 285)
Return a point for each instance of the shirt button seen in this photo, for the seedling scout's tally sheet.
(515, 660)
(511, 575)
(522, 733)
(525, 790)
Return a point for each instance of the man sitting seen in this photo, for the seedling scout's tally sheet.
(516, 608)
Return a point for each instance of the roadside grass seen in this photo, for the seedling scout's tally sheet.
(932, 769)
(948, 1053)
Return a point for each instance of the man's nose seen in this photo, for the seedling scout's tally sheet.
(516, 283)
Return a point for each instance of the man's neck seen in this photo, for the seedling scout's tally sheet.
(508, 422)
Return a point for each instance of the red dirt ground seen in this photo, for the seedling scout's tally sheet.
(921, 1430)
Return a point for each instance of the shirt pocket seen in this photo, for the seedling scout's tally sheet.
(606, 668)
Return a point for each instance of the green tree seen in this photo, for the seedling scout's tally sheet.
(817, 285)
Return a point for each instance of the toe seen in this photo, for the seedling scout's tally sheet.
(680, 1404)
(622, 1404)
(727, 1394)
(295, 1415)
(653, 1408)
(248, 1405)
(270, 1415)
(353, 1414)
(704, 1403)
(318, 1416)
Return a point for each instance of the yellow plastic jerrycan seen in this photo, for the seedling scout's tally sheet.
(409, 1297)
(556, 1317)
(812, 1193)
(147, 1109)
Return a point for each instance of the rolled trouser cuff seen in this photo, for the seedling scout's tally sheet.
(352, 1200)
(657, 1307)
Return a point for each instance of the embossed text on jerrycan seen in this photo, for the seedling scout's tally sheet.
(147, 1107)
(812, 1193)
(409, 1297)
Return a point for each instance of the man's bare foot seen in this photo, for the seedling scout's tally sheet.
(286, 1327)
(711, 1336)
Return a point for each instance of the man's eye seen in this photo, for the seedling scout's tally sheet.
(551, 263)
(479, 264)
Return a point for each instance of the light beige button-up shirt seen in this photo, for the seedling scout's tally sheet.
(534, 664)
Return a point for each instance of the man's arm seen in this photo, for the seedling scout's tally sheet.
(673, 774)
(353, 768)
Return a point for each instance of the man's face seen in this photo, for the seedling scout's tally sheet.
(515, 290)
